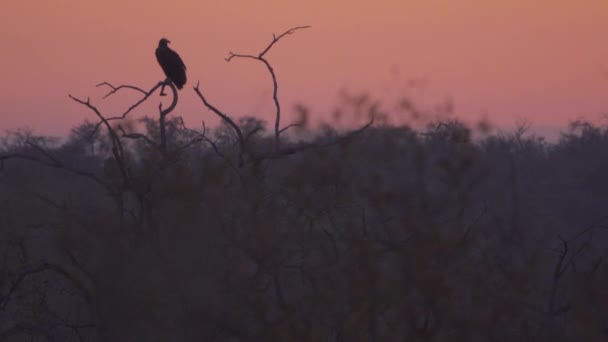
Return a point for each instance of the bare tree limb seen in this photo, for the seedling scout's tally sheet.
(203, 137)
(296, 124)
(260, 57)
(136, 104)
(277, 38)
(117, 149)
(252, 132)
(114, 89)
(197, 136)
(163, 114)
(226, 118)
(292, 150)
(136, 136)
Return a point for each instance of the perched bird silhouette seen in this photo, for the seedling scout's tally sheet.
(172, 64)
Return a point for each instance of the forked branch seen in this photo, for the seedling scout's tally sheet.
(162, 112)
(278, 151)
(114, 89)
(261, 57)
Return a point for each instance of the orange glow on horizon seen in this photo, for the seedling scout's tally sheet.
(545, 61)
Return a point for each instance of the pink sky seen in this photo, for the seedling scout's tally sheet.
(542, 60)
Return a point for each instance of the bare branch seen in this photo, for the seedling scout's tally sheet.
(296, 124)
(166, 111)
(146, 96)
(117, 149)
(114, 89)
(260, 57)
(227, 119)
(292, 150)
(231, 55)
(197, 136)
(252, 132)
(276, 39)
(136, 136)
(163, 114)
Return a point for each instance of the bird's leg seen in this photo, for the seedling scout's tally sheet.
(162, 90)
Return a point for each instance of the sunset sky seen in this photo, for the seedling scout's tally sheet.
(504, 60)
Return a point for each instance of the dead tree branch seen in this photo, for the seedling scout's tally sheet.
(136, 104)
(261, 57)
(242, 139)
(196, 136)
(296, 124)
(226, 118)
(292, 150)
(117, 148)
(163, 114)
(114, 89)
(136, 136)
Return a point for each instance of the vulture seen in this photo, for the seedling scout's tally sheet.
(172, 64)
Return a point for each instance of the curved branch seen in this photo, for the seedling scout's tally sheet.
(135, 105)
(164, 113)
(117, 149)
(226, 118)
(115, 89)
(296, 124)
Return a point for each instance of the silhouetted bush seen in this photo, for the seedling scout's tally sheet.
(393, 234)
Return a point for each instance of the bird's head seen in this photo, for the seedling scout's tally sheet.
(164, 42)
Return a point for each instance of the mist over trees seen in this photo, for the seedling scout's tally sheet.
(146, 229)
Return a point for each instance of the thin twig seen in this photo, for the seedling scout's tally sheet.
(296, 124)
(114, 89)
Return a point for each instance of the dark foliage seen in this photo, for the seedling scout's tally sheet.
(392, 235)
